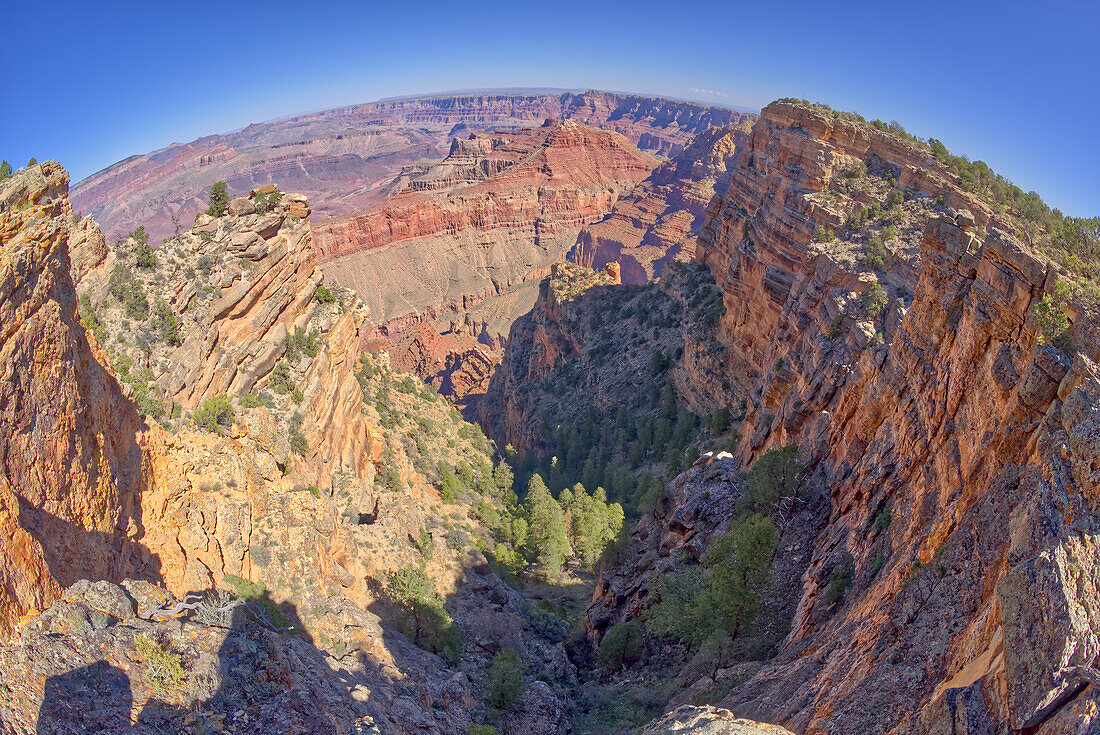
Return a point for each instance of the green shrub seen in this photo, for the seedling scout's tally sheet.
(840, 579)
(894, 198)
(5, 170)
(772, 478)
(300, 343)
(252, 399)
(215, 414)
(1052, 322)
(324, 294)
(875, 300)
(219, 199)
(621, 647)
(298, 442)
(91, 319)
(281, 381)
(136, 303)
(882, 520)
(265, 202)
(163, 669)
(482, 730)
(166, 323)
(506, 684)
(715, 652)
(546, 624)
(426, 622)
(874, 256)
(823, 235)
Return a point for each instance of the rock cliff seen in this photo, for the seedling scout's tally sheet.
(661, 218)
(72, 466)
(284, 478)
(342, 158)
(955, 448)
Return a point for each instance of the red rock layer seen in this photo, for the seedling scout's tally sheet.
(559, 173)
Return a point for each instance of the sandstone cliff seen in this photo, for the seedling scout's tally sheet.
(955, 449)
(660, 219)
(342, 158)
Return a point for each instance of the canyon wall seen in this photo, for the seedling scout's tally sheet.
(661, 218)
(272, 460)
(956, 451)
(463, 247)
(343, 158)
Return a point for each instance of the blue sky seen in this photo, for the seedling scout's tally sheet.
(1014, 84)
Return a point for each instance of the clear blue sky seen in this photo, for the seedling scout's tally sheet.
(1015, 84)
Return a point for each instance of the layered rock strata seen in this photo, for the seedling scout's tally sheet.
(343, 158)
(661, 218)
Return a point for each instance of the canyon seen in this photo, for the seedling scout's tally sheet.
(459, 252)
(343, 159)
(236, 450)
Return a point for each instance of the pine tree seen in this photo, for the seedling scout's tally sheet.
(219, 199)
(739, 564)
(5, 170)
(548, 537)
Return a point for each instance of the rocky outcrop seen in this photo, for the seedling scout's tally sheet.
(956, 450)
(300, 501)
(707, 720)
(661, 218)
(72, 468)
(237, 287)
(342, 158)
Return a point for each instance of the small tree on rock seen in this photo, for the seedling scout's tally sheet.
(219, 199)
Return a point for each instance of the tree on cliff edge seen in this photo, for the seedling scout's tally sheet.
(219, 199)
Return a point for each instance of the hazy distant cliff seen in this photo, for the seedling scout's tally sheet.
(340, 158)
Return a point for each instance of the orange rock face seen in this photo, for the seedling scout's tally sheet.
(71, 461)
(957, 452)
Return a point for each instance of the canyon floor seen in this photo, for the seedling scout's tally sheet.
(609, 415)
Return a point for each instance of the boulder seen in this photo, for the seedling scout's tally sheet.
(297, 205)
(241, 206)
(102, 596)
(707, 720)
